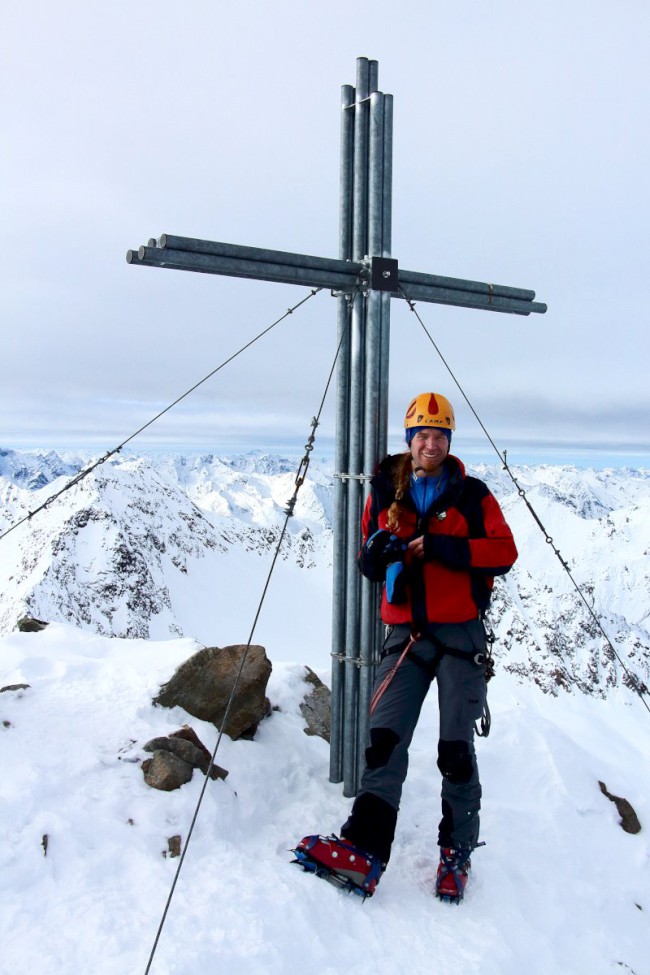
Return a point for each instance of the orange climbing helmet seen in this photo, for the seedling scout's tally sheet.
(430, 410)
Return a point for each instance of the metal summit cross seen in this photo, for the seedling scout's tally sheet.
(364, 278)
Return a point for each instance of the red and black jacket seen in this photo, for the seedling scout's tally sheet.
(466, 543)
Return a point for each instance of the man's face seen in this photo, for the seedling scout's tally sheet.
(429, 449)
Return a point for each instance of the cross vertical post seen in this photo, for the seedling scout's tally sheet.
(362, 410)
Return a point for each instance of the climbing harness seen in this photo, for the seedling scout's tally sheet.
(480, 658)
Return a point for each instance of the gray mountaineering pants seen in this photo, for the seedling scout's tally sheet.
(461, 698)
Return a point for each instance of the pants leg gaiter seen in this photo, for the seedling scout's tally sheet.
(371, 825)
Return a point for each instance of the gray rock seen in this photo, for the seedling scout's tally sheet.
(30, 625)
(203, 684)
(166, 771)
(188, 752)
(629, 819)
(189, 734)
(183, 749)
(316, 708)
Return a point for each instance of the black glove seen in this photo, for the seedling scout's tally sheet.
(379, 551)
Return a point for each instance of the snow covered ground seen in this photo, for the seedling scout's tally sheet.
(559, 887)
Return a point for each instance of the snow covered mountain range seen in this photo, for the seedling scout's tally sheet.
(155, 547)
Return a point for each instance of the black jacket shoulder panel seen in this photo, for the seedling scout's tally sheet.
(469, 505)
(478, 486)
(383, 482)
(387, 468)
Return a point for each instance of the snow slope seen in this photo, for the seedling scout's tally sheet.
(559, 887)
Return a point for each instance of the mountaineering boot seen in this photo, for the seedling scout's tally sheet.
(453, 872)
(339, 862)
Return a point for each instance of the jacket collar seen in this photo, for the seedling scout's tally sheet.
(384, 480)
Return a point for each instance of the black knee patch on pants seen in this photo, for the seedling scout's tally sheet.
(382, 743)
(371, 825)
(455, 761)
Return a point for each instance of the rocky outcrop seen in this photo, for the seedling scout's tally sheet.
(203, 686)
(27, 624)
(629, 819)
(174, 758)
(316, 708)
(15, 687)
(166, 771)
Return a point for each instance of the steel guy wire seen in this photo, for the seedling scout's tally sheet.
(634, 681)
(288, 511)
(82, 474)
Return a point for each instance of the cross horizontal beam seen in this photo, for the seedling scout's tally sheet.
(235, 260)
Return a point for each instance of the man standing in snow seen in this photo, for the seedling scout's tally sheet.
(435, 537)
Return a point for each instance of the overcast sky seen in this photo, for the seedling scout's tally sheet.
(521, 157)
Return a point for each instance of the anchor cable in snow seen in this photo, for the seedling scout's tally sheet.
(299, 481)
(633, 680)
(88, 470)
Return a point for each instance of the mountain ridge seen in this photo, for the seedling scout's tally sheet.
(165, 546)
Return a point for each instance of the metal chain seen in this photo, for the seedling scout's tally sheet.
(634, 681)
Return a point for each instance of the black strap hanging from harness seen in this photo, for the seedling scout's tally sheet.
(486, 718)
